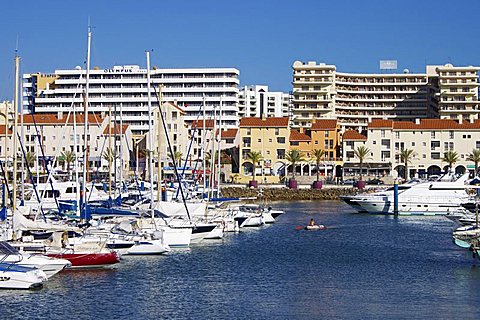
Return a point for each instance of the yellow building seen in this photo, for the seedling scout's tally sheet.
(269, 137)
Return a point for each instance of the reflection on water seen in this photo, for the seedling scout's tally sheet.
(362, 267)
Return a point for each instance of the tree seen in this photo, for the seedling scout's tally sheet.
(318, 154)
(406, 156)
(110, 155)
(255, 157)
(474, 156)
(450, 157)
(30, 159)
(177, 158)
(67, 157)
(294, 156)
(362, 153)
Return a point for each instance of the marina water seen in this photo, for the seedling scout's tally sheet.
(362, 267)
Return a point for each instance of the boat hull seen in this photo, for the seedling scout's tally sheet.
(88, 260)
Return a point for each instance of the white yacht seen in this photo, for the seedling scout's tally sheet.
(425, 198)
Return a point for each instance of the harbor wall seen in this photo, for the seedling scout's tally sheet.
(285, 194)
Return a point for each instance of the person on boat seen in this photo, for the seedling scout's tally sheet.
(311, 223)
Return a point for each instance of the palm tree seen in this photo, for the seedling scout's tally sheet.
(318, 155)
(406, 156)
(30, 159)
(67, 157)
(362, 153)
(177, 158)
(474, 156)
(450, 157)
(294, 156)
(110, 155)
(255, 157)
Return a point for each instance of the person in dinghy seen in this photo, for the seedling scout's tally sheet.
(313, 226)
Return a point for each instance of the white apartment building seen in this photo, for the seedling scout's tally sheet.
(428, 138)
(59, 133)
(458, 96)
(320, 91)
(257, 101)
(124, 88)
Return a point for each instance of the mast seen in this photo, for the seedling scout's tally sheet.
(204, 137)
(110, 152)
(150, 134)
(219, 147)
(121, 151)
(22, 134)
(85, 124)
(75, 161)
(159, 132)
(14, 135)
(212, 162)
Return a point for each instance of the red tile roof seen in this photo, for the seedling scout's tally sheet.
(176, 107)
(353, 135)
(199, 124)
(297, 136)
(115, 129)
(380, 123)
(229, 134)
(324, 124)
(2, 130)
(52, 118)
(268, 122)
(436, 124)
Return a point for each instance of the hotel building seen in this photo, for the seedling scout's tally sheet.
(125, 88)
(319, 91)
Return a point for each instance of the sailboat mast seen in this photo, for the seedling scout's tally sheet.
(14, 136)
(22, 134)
(85, 124)
(150, 134)
(159, 132)
(110, 153)
(204, 137)
(219, 137)
(121, 150)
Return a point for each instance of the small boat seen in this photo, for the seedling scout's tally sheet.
(13, 276)
(315, 227)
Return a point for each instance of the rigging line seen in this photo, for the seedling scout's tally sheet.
(190, 147)
(135, 167)
(22, 147)
(171, 153)
(45, 162)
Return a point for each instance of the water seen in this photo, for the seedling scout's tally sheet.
(363, 267)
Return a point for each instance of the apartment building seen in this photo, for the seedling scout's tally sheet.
(428, 138)
(270, 137)
(458, 96)
(52, 134)
(124, 89)
(258, 101)
(320, 91)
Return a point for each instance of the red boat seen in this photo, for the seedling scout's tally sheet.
(88, 260)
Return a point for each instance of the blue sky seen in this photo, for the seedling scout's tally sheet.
(260, 38)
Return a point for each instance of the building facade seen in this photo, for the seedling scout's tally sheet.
(320, 91)
(257, 101)
(124, 88)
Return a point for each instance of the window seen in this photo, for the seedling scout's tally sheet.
(424, 156)
(350, 154)
(326, 133)
(451, 135)
(477, 144)
(294, 143)
(280, 139)
(280, 153)
(382, 133)
(316, 142)
(413, 143)
(386, 143)
(277, 131)
(385, 155)
(397, 135)
(249, 131)
(432, 134)
(270, 140)
(434, 145)
(259, 140)
(435, 155)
